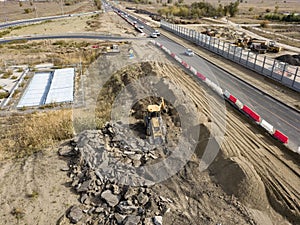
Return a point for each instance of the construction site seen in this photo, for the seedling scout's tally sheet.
(143, 141)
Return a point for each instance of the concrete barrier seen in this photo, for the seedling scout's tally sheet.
(267, 126)
(193, 70)
(251, 113)
(281, 137)
(185, 64)
(201, 76)
(239, 104)
(232, 98)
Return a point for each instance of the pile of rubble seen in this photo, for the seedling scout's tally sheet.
(107, 171)
(290, 59)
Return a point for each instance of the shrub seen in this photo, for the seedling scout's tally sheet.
(264, 24)
(28, 10)
(4, 95)
(5, 32)
(7, 74)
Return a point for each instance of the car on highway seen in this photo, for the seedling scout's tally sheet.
(157, 32)
(141, 27)
(189, 52)
(153, 35)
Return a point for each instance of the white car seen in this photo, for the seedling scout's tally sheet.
(141, 27)
(157, 32)
(189, 52)
(153, 35)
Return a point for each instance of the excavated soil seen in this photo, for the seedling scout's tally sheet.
(290, 59)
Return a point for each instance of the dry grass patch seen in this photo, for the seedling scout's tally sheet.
(23, 135)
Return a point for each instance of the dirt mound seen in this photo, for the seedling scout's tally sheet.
(237, 176)
(290, 59)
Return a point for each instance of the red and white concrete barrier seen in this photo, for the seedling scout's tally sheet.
(251, 113)
(267, 126)
(201, 76)
(193, 70)
(214, 86)
(281, 137)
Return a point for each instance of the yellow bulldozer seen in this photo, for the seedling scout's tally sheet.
(273, 47)
(155, 128)
(268, 46)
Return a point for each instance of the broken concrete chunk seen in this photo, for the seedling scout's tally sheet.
(75, 214)
(84, 186)
(132, 220)
(157, 220)
(142, 198)
(110, 198)
(119, 217)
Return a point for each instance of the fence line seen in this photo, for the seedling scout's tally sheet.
(284, 73)
(15, 87)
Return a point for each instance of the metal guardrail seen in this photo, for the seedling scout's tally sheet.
(283, 73)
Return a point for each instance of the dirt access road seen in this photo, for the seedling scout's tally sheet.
(253, 180)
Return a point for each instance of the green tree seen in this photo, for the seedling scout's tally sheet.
(233, 8)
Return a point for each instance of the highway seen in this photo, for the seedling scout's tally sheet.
(281, 116)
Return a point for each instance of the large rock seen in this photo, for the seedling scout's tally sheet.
(142, 198)
(157, 220)
(75, 214)
(66, 151)
(110, 198)
(119, 217)
(84, 187)
(132, 220)
(125, 208)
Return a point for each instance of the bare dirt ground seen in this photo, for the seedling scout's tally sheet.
(34, 190)
(13, 10)
(253, 180)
